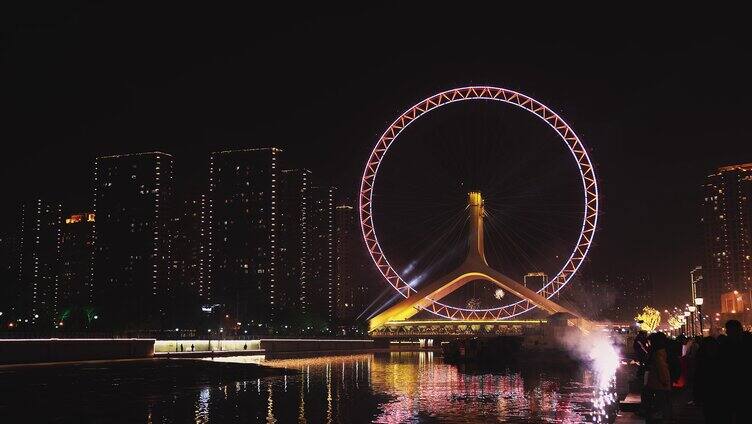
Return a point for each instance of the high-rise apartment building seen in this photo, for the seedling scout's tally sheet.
(241, 225)
(293, 238)
(39, 257)
(353, 281)
(727, 224)
(320, 253)
(76, 252)
(8, 274)
(188, 287)
(37, 281)
(133, 195)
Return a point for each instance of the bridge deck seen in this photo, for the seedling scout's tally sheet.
(447, 328)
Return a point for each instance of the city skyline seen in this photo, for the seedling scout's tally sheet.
(637, 296)
(144, 260)
(628, 288)
(645, 153)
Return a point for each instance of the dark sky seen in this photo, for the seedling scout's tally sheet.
(658, 101)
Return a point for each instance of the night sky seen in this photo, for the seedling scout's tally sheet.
(658, 102)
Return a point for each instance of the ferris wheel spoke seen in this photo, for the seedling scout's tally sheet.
(514, 240)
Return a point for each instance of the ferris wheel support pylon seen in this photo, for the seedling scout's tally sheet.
(473, 268)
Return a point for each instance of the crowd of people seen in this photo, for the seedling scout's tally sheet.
(717, 371)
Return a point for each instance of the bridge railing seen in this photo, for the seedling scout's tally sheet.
(408, 329)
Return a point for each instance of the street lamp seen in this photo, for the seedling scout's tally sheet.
(698, 302)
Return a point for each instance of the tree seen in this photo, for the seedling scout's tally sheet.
(649, 319)
(675, 321)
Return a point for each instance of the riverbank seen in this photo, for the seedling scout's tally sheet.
(683, 411)
(27, 351)
(20, 351)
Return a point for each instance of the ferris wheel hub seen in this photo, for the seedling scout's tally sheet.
(475, 198)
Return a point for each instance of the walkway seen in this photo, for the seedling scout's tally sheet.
(683, 412)
(209, 353)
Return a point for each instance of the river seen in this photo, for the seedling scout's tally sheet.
(387, 387)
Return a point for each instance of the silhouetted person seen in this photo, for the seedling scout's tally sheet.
(193, 348)
(692, 349)
(734, 358)
(673, 357)
(683, 345)
(695, 346)
(640, 347)
(708, 380)
(659, 379)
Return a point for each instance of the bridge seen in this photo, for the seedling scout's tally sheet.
(395, 320)
(437, 329)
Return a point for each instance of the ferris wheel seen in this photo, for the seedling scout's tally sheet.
(588, 201)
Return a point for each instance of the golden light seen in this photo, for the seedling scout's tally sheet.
(648, 319)
(468, 322)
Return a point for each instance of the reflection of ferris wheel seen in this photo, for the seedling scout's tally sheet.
(566, 134)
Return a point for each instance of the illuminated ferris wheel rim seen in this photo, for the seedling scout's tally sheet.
(565, 132)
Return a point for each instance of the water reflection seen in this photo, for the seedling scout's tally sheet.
(202, 406)
(270, 406)
(397, 387)
(401, 387)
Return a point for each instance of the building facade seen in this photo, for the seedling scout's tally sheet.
(240, 221)
(293, 238)
(727, 223)
(188, 287)
(736, 305)
(131, 270)
(37, 279)
(77, 249)
(354, 288)
(8, 275)
(320, 299)
(736, 302)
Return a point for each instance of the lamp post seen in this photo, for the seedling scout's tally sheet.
(692, 310)
(686, 322)
(698, 302)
